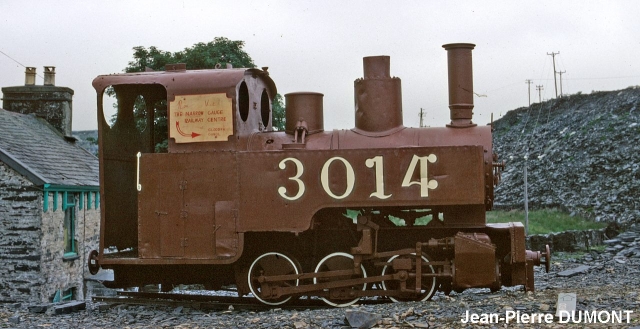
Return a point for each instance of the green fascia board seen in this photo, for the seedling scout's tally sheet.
(82, 189)
(71, 188)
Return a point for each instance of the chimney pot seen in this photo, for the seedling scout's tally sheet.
(49, 75)
(30, 76)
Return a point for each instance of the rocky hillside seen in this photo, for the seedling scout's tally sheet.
(582, 155)
(88, 140)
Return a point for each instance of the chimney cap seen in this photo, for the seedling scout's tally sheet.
(458, 45)
(49, 75)
(30, 76)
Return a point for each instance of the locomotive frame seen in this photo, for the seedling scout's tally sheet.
(235, 202)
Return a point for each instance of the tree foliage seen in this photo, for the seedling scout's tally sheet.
(199, 56)
(278, 115)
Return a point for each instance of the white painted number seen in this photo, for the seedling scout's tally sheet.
(378, 163)
(299, 170)
(324, 178)
(424, 182)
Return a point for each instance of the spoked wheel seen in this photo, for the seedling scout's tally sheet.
(428, 284)
(269, 264)
(340, 261)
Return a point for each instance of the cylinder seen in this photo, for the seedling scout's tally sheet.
(378, 98)
(304, 106)
(30, 76)
(376, 67)
(49, 75)
(460, 84)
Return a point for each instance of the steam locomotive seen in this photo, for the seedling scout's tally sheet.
(377, 210)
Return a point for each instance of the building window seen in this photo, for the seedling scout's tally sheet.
(70, 248)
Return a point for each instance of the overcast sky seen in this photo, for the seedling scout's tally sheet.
(318, 46)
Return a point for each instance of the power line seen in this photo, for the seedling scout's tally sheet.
(11, 58)
(602, 78)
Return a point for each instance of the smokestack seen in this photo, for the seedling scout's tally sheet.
(30, 76)
(49, 75)
(378, 99)
(460, 84)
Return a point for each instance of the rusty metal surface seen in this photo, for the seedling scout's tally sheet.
(182, 207)
(475, 262)
(460, 83)
(190, 82)
(378, 99)
(304, 106)
(285, 193)
(291, 187)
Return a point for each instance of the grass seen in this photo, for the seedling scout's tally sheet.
(545, 221)
(540, 221)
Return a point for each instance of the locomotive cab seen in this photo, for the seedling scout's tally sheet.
(158, 195)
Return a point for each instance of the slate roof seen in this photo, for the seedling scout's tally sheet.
(35, 149)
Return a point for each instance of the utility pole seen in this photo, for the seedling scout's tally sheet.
(553, 55)
(421, 118)
(539, 88)
(526, 198)
(560, 72)
(529, 82)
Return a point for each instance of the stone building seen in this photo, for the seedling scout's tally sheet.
(49, 195)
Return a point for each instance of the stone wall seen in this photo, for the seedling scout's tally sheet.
(50, 102)
(60, 273)
(32, 241)
(570, 240)
(20, 220)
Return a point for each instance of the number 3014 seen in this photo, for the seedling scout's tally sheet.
(376, 163)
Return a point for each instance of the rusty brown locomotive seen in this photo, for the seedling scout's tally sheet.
(377, 210)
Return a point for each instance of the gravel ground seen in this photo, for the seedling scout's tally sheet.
(610, 283)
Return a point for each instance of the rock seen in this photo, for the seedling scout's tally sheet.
(607, 285)
(574, 271)
(38, 308)
(407, 313)
(14, 319)
(70, 307)
(584, 159)
(620, 260)
(361, 319)
(101, 307)
(626, 237)
(611, 242)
